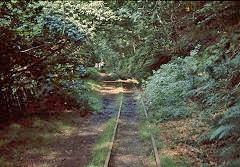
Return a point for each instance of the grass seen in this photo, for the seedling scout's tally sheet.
(144, 131)
(20, 141)
(101, 146)
(114, 76)
(172, 161)
(32, 136)
(92, 96)
(92, 84)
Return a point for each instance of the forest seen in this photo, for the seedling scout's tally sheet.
(184, 54)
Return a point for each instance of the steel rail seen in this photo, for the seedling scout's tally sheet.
(113, 136)
(158, 163)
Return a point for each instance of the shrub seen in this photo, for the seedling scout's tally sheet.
(209, 79)
(167, 90)
(92, 73)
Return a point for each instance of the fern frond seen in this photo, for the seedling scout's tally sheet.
(233, 114)
(222, 131)
(235, 163)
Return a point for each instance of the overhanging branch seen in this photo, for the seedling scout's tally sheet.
(36, 47)
(18, 72)
(37, 62)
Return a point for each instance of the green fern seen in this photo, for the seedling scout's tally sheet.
(234, 163)
(232, 116)
(223, 131)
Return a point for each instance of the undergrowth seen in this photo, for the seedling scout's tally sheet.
(32, 137)
(166, 160)
(92, 73)
(101, 147)
(146, 128)
(93, 98)
(203, 84)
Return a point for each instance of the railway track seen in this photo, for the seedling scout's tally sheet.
(125, 148)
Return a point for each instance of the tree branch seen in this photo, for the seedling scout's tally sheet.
(36, 47)
(37, 62)
(27, 67)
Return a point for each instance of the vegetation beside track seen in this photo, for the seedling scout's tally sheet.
(186, 51)
(101, 147)
(32, 135)
(146, 126)
(30, 139)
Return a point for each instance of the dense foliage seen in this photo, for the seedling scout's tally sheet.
(189, 51)
(44, 52)
(206, 81)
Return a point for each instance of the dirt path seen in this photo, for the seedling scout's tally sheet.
(78, 148)
(73, 148)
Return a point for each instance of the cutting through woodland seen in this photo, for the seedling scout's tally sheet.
(121, 83)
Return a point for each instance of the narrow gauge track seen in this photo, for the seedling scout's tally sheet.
(124, 147)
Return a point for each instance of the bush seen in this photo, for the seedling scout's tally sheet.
(169, 86)
(209, 79)
(92, 73)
